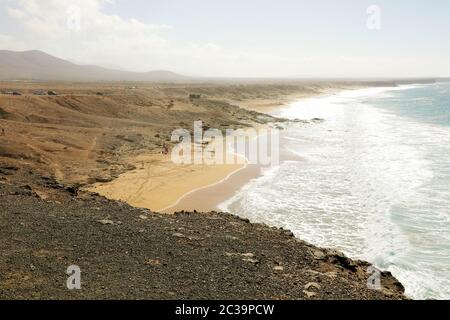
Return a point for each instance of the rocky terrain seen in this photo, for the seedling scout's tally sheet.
(56, 138)
(92, 132)
(131, 253)
(82, 133)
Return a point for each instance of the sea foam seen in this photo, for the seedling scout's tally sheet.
(370, 181)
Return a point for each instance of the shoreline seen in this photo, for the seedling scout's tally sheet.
(256, 260)
(210, 198)
(174, 188)
(163, 256)
(158, 183)
(103, 150)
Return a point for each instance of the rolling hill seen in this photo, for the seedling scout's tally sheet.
(38, 65)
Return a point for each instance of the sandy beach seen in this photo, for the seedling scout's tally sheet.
(108, 138)
(160, 185)
(197, 155)
(84, 138)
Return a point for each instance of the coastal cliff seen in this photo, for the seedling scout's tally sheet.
(51, 147)
(131, 253)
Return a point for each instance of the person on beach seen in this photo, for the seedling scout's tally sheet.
(165, 149)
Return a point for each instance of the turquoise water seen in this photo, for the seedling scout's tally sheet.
(426, 103)
(373, 181)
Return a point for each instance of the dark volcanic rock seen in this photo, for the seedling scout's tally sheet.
(130, 253)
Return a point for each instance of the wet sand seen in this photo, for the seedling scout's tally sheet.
(175, 188)
(208, 198)
(158, 183)
(211, 197)
(162, 186)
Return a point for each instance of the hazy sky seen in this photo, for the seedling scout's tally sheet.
(243, 38)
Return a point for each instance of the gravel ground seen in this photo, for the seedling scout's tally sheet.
(131, 253)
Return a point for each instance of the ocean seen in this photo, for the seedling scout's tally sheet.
(372, 180)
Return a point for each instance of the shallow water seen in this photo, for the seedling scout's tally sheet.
(372, 181)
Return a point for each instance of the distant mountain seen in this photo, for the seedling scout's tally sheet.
(38, 65)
